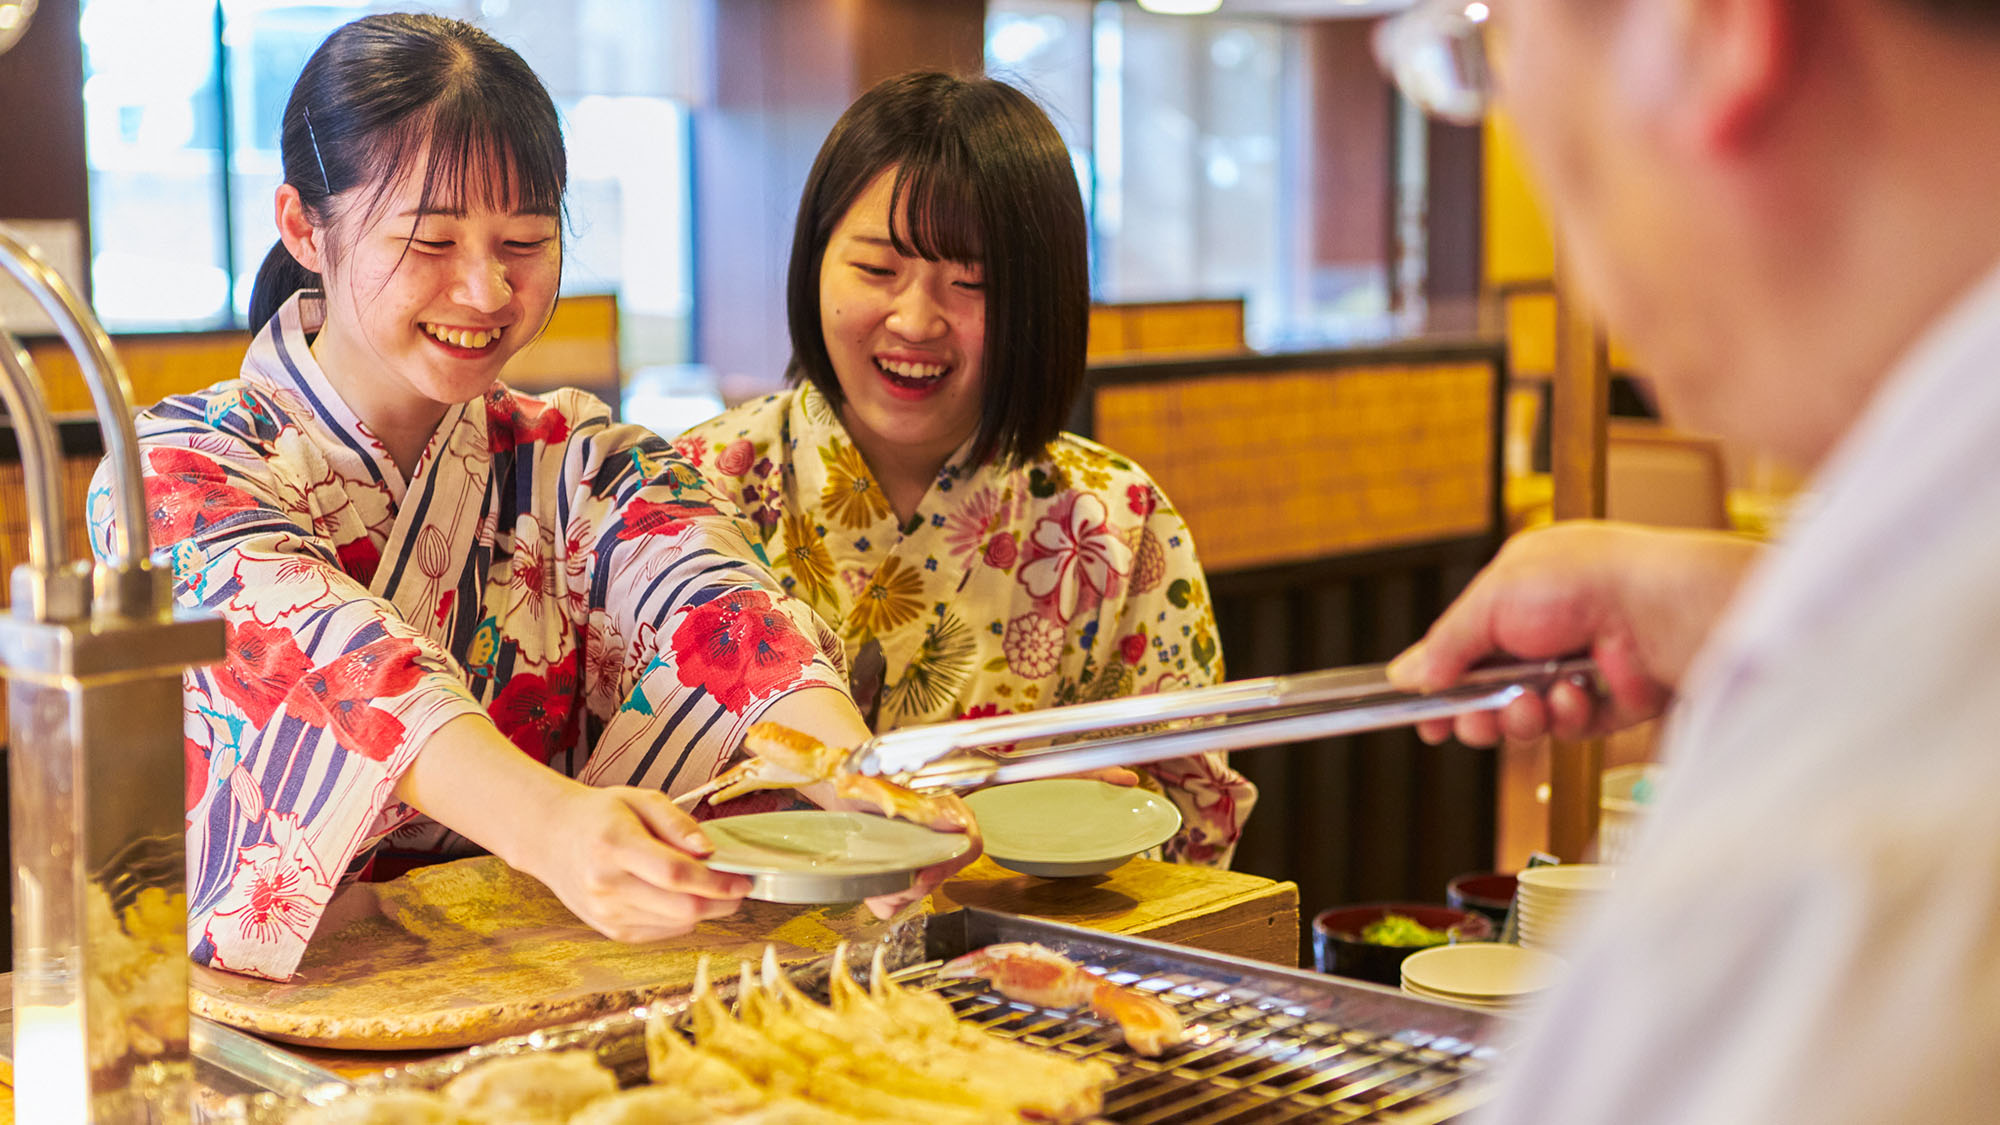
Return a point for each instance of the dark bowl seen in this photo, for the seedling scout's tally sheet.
(1338, 948)
(1488, 892)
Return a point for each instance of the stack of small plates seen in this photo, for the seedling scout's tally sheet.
(1552, 900)
(1479, 974)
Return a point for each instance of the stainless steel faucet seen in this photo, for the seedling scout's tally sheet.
(93, 654)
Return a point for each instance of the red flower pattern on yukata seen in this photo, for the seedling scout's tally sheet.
(264, 663)
(985, 711)
(1002, 551)
(271, 587)
(1142, 499)
(194, 773)
(186, 492)
(691, 449)
(661, 517)
(736, 458)
(534, 711)
(1133, 647)
(340, 696)
(359, 558)
(1075, 559)
(517, 419)
(275, 897)
(739, 648)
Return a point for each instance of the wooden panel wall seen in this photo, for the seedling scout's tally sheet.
(1309, 456)
(1152, 329)
(1370, 817)
(1374, 817)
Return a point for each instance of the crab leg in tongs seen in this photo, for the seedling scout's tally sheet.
(1149, 728)
(783, 758)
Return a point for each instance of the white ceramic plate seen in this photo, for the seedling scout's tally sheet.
(1481, 970)
(1568, 879)
(809, 855)
(1070, 826)
(1447, 998)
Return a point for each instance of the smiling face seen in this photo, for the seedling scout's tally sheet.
(424, 308)
(905, 335)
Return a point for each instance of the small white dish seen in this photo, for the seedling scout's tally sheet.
(1481, 970)
(1067, 826)
(1463, 1001)
(1569, 879)
(812, 856)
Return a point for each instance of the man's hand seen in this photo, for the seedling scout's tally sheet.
(1641, 601)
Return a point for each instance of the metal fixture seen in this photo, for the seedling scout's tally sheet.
(93, 655)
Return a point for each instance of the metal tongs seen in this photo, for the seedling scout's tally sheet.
(1234, 716)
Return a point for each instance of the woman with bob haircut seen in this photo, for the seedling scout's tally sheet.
(915, 485)
(459, 617)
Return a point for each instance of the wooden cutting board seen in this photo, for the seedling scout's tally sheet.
(470, 951)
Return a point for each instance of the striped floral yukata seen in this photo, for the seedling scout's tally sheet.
(574, 579)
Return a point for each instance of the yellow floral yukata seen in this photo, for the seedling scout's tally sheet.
(1065, 580)
(567, 576)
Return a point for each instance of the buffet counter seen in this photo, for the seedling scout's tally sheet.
(1224, 912)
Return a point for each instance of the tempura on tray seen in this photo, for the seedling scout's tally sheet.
(883, 1053)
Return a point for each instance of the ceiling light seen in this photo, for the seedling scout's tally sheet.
(1180, 7)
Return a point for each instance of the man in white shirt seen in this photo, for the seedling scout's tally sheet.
(1790, 211)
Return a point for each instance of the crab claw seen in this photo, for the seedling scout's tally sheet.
(1150, 1024)
(1024, 971)
(1036, 974)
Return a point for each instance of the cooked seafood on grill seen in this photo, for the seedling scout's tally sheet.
(1035, 974)
(783, 758)
(883, 1053)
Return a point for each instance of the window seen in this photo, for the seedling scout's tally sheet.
(182, 100)
(1190, 138)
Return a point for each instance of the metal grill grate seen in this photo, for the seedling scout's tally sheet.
(1249, 1057)
(1265, 1043)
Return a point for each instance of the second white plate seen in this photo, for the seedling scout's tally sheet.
(810, 856)
(1070, 826)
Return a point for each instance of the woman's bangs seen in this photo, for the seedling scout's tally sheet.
(493, 161)
(935, 212)
(476, 160)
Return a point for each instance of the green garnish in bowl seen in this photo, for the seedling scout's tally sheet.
(1403, 931)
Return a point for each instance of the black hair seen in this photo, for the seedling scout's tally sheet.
(387, 91)
(981, 176)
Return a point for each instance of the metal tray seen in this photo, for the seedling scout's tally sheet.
(1267, 1044)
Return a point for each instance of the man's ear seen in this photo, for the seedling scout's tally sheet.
(1743, 57)
(305, 241)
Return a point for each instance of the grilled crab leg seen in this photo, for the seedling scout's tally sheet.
(1035, 974)
(783, 758)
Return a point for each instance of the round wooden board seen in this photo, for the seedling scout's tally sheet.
(470, 951)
